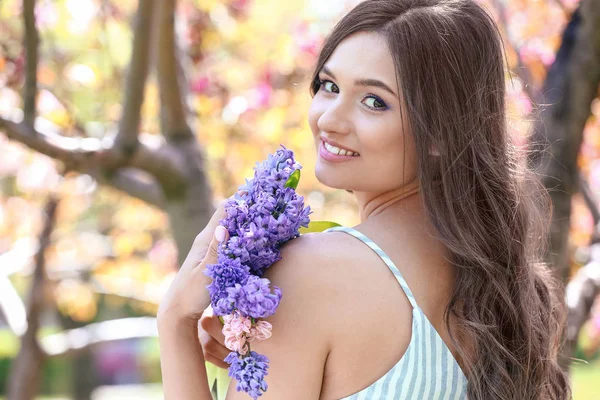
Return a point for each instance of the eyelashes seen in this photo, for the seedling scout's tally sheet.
(322, 84)
(377, 105)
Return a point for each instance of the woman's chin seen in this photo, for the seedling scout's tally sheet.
(328, 179)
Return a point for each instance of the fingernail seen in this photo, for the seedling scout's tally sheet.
(220, 233)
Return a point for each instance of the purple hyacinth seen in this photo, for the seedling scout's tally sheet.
(254, 298)
(249, 371)
(263, 259)
(265, 213)
(227, 273)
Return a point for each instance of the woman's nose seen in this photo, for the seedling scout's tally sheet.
(335, 118)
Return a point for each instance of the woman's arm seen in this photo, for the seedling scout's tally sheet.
(302, 326)
(303, 323)
(181, 361)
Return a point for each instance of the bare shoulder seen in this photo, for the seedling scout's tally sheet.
(331, 266)
(316, 257)
(343, 315)
(335, 285)
(310, 274)
(325, 277)
(303, 325)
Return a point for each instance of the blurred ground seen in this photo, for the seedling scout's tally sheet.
(586, 378)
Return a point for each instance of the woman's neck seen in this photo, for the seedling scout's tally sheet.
(376, 204)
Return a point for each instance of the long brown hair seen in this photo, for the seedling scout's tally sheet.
(489, 209)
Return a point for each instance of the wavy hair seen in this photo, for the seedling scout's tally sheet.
(490, 211)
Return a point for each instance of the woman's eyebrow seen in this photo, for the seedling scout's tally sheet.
(363, 82)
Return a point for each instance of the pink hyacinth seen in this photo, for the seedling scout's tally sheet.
(237, 343)
(236, 324)
(235, 330)
(260, 331)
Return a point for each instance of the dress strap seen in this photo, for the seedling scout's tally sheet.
(386, 259)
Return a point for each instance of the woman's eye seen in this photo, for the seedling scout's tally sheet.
(375, 103)
(329, 86)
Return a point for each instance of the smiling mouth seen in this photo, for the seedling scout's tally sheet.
(338, 151)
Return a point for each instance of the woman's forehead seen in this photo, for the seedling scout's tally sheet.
(363, 55)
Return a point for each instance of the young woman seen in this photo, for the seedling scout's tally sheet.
(439, 292)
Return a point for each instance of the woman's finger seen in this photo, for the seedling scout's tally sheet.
(211, 325)
(203, 238)
(218, 215)
(212, 346)
(217, 351)
(213, 351)
(220, 235)
(216, 361)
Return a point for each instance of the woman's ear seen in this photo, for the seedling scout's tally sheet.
(433, 150)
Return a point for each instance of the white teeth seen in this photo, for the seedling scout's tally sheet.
(332, 149)
(337, 150)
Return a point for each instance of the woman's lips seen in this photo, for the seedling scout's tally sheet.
(332, 157)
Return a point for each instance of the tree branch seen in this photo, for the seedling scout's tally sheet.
(581, 292)
(19, 256)
(590, 200)
(12, 307)
(25, 373)
(136, 183)
(91, 155)
(31, 49)
(75, 341)
(173, 115)
(129, 125)
(571, 85)
(592, 203)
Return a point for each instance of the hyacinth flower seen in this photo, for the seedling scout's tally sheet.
(265, 213)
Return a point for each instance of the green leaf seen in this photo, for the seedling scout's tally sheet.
(317, 226)
(223, 380)
(211, 373)
(293, 180)
(221, 375)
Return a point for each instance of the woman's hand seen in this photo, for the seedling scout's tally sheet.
(212, 340)
(187, 297)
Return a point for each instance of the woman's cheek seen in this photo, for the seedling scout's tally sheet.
(314, 112)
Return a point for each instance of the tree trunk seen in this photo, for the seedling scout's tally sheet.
(570, 87)
(26, 371)
(171, 175)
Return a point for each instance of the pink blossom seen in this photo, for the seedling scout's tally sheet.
(236, 343)
(235, 330)
(260, 331)
(236, 324)
(201, 85)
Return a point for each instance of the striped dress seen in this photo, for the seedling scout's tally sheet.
(427, 370)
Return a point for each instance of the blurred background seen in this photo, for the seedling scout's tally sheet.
(122, 124)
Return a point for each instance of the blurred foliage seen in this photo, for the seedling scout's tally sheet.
(249, 94)
(55, 373)
(248, 64)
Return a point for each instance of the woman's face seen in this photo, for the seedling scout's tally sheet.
(357, 108)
